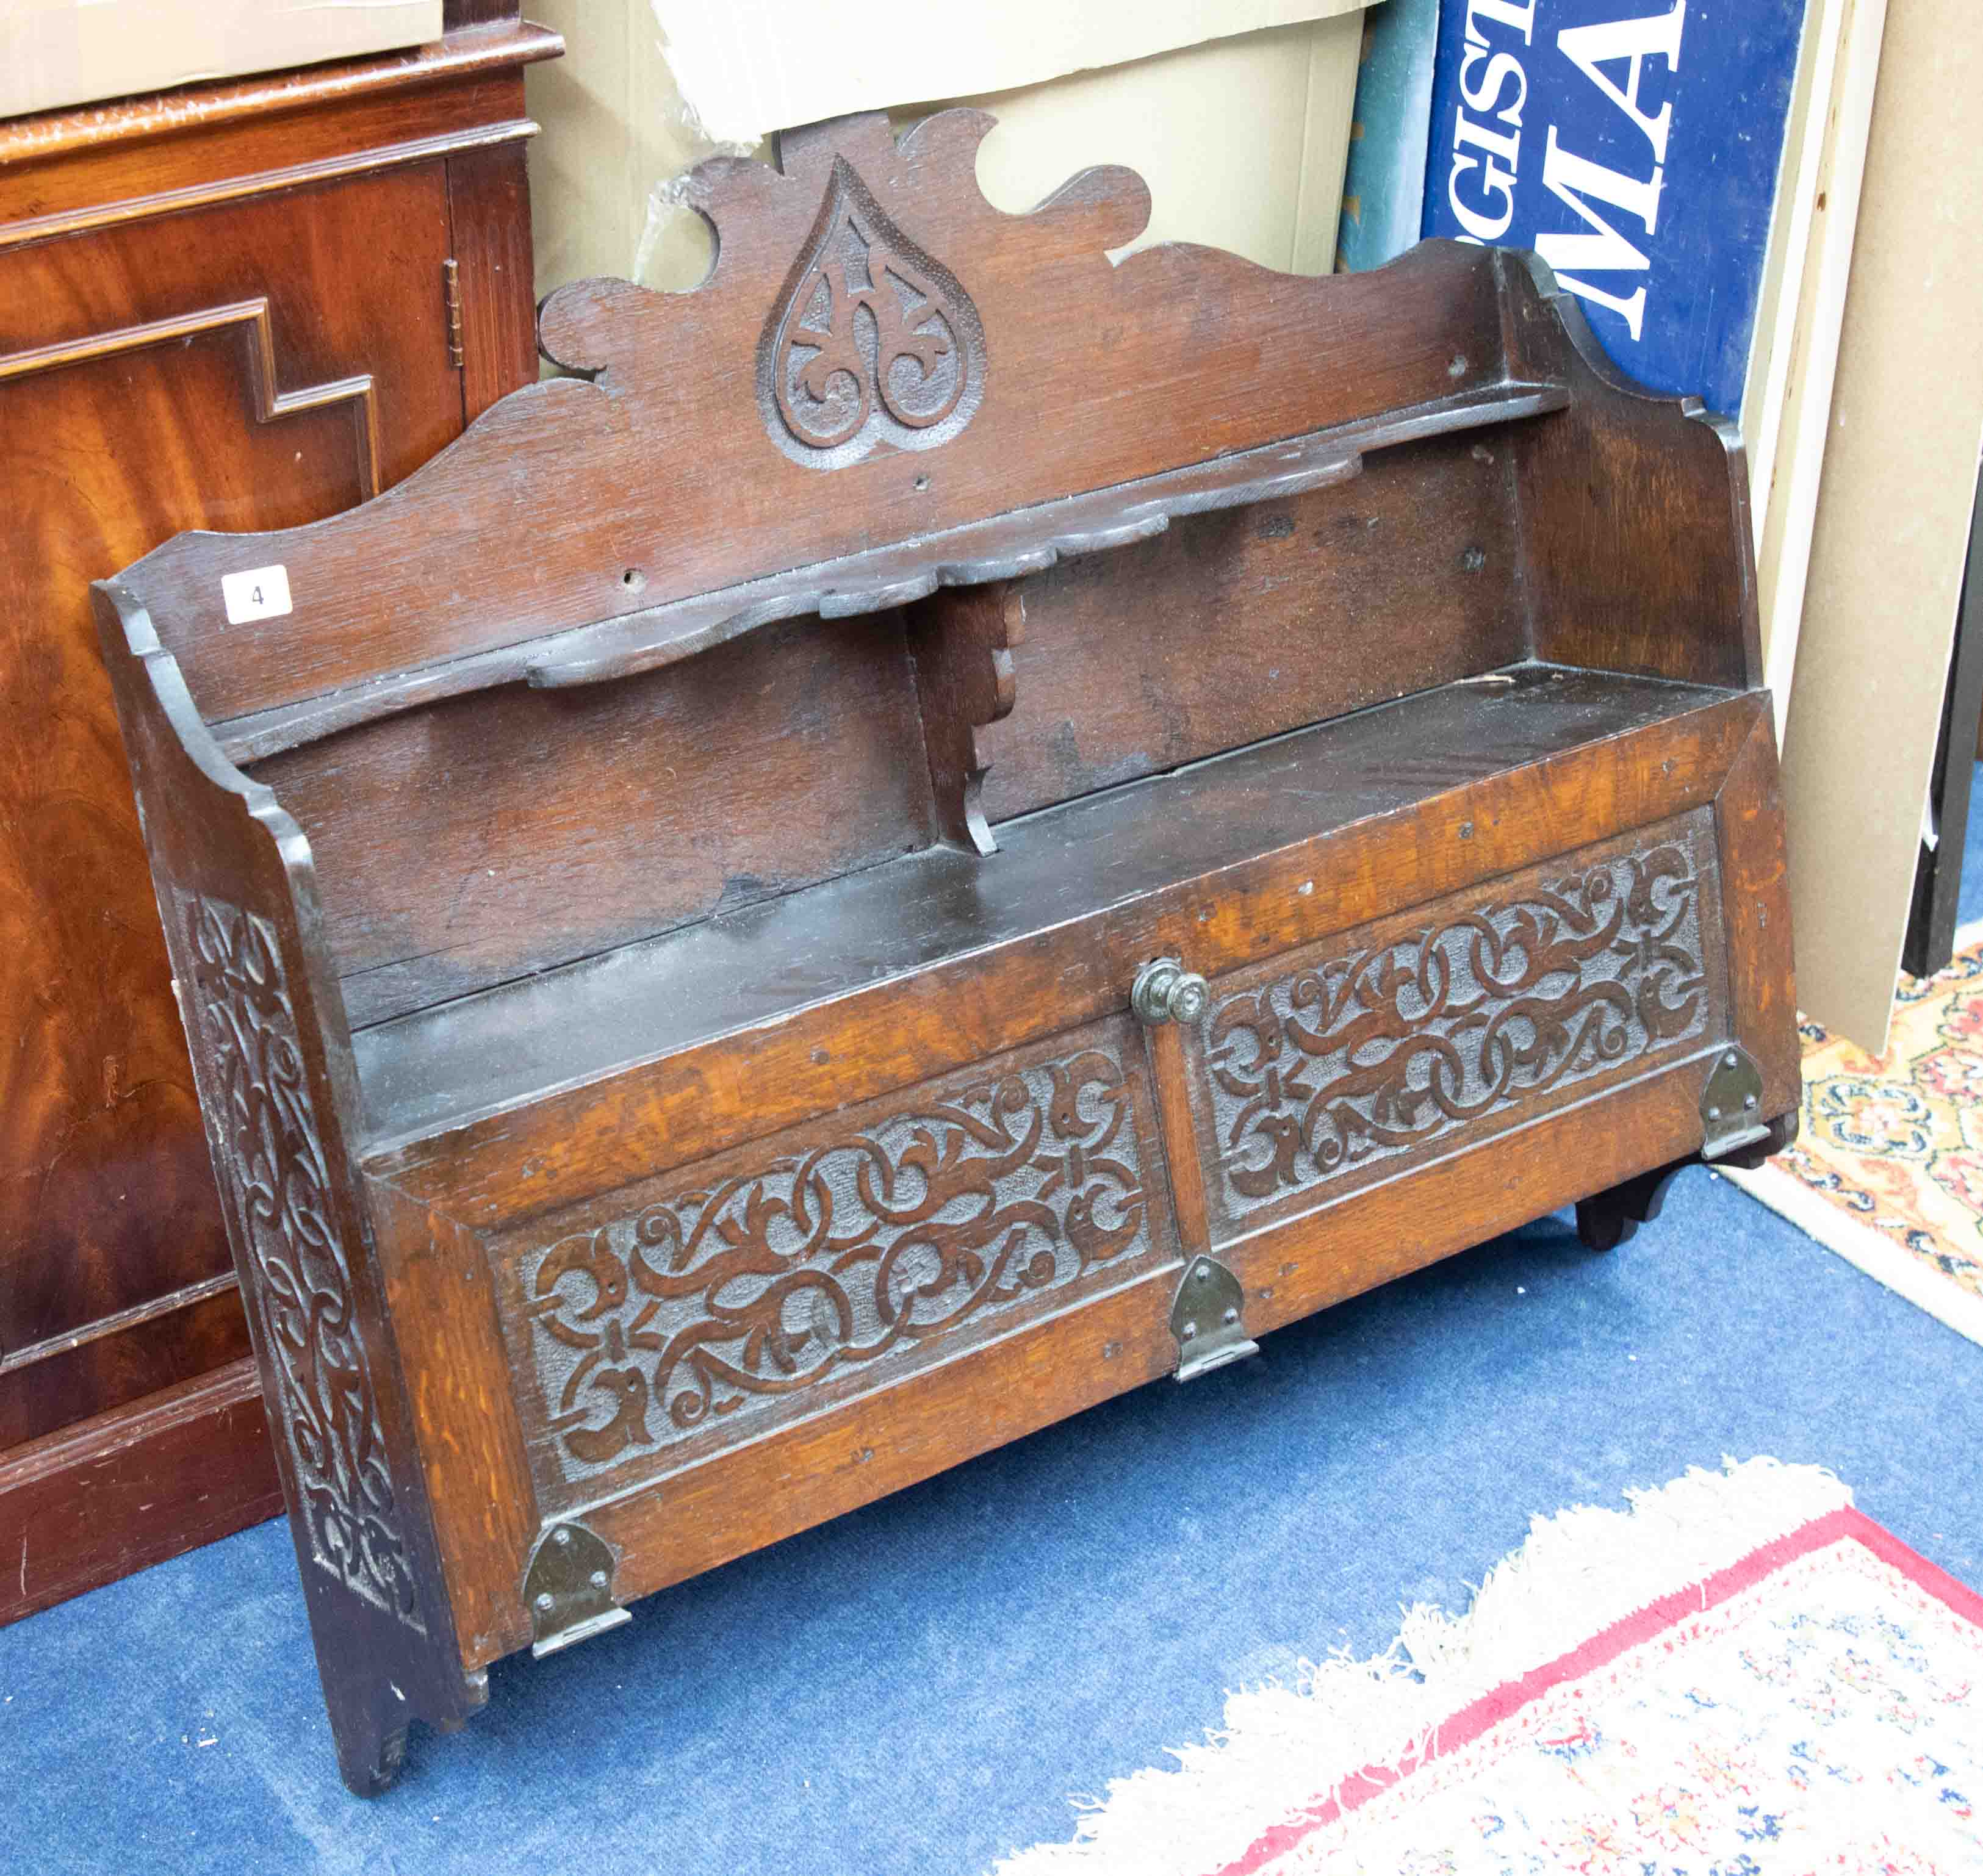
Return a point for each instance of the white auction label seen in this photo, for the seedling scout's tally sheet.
(261, 593)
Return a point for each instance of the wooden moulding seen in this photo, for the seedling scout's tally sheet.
(101, 165)
(62, 1496)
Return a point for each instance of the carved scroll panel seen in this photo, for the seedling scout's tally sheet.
(1332, 1065)
(270, 1157)
(665, 1321)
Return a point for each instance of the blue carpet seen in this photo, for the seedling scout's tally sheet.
(1969, 904)
(921, 1687)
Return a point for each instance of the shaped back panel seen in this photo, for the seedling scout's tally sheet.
(877, 356)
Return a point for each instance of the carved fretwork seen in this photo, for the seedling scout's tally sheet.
(1380, 1050)
(872, 340)
(724, 1299)
(270, 1156)
(961, 640)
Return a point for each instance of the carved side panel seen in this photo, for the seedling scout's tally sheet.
(659, 1322)
(1324, 1069)
(256, 1089)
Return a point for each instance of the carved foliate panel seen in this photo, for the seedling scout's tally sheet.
(1323, 1069)
(691, 1312)
(872, 340)
(270, 1157)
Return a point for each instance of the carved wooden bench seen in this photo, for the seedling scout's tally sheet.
(946, 829)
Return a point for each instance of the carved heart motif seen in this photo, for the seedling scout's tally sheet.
(872, 341)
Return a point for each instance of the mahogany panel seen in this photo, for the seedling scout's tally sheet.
(211, 344)
(173, 1337)
(132, 1488)
(489, 215)
(106, 1196)
(264, 137)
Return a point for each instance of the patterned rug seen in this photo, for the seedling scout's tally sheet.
(1743, 1674)
(1888, 1168)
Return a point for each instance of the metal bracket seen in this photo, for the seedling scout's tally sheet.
(568, 1589)
(1209, 1320)
(1731, 1103)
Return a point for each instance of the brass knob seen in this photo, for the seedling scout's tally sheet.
(1165, 992)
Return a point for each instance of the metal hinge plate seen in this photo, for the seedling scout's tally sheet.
(568, 1589)
(1210, 1319)
(450, 283)
(1731, 1103)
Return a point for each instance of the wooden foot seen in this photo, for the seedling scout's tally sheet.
(368, 1759)
(1605, 1220)
(1608, 1219)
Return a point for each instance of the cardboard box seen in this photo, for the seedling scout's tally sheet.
(1242, 139)
(56, 53)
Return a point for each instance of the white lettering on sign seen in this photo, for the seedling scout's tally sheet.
(261, 593)
(1576, 180)
(1487, 146)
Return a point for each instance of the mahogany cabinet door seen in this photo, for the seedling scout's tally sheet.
(251, 365)
(1324, 1071)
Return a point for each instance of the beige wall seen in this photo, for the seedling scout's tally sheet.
(1243, 141)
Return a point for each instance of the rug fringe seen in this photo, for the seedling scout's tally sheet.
(1580, 1572)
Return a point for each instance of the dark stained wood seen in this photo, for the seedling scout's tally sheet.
(220, 307)
(1606, 1219)
(489, 218)
(676, 937)
(122, 1357)
(1285, 589)
(969, 959)
(817, 755)
(1756, 901)
(961, 645)
(709, 506)
(1633, 522)
(103, 164)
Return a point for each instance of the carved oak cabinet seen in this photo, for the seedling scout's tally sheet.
(942, 830)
